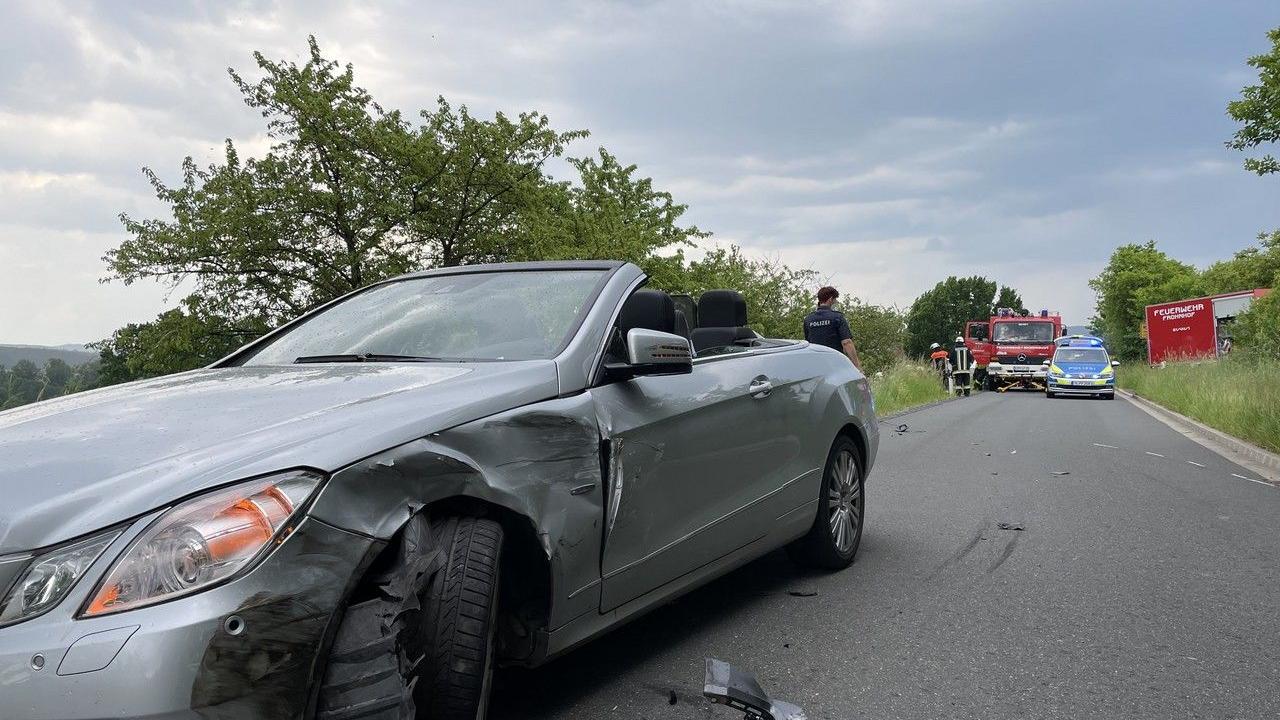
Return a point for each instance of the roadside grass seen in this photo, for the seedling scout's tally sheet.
(1239, 395)
(905, 385)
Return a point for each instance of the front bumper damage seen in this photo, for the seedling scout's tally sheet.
(250, 648)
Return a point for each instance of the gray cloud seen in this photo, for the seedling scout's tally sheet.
(884, 143)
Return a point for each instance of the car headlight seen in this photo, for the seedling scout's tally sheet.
(203, 541)
(1107, 372)
(50, 576)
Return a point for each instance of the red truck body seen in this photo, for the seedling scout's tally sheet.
(1188, 329)
(1018, 344)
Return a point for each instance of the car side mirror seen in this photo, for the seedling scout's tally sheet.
(652, 352)
(1115, 363)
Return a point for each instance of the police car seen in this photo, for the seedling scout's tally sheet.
(1081, 366)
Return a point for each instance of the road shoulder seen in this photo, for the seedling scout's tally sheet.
(1262, 462)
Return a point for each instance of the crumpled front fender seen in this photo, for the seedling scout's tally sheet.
(540, 461)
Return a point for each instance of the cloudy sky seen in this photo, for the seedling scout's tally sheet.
(885, 143)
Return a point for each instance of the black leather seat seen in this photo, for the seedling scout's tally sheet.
(722, 320)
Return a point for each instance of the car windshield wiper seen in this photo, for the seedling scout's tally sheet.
(362, 357)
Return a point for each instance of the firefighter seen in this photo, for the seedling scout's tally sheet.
(936, 353)
(941, 361)
(961, 368)
(961, 358)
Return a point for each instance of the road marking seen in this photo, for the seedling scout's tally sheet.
(1260, 482)
(1154, 454)
(1113, 447)
(1193, 462)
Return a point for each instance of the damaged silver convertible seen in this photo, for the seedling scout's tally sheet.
(361, 513)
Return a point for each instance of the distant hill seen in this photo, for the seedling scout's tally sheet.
(40, 354)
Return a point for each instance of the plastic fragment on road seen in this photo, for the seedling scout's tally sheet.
(1059, 472)
(1011, 526)
(741, 691)
(802, 593)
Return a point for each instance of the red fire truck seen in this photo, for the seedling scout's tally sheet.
(1189, 329)
(1009, 348)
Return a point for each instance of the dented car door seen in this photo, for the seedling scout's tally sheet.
(685, 455)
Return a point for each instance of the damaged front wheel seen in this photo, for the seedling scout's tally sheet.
(422, 647)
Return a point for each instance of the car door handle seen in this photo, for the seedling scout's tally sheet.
(760, 388)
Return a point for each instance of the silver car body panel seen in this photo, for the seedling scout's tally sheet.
(591, 469)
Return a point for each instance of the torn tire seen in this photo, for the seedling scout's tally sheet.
(423, 647)
(833, 540)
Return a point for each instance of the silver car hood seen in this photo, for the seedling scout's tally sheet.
(76, 464)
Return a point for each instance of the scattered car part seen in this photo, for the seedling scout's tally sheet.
(726, 686)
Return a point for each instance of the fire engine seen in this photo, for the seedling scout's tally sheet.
(1012, 348)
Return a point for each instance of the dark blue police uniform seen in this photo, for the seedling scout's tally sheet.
(825, 326)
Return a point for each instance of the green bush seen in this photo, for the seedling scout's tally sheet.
(1239, 395)
(1257, 331)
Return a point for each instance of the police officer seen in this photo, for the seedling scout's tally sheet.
(827, 326)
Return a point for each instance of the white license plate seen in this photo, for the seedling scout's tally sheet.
(1081, 382)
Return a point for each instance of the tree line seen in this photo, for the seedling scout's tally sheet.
(27, 382)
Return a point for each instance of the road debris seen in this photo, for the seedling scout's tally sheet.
(671, 697)
(806, 592)
(741, 691)
(1059, 472)
(1011, 526)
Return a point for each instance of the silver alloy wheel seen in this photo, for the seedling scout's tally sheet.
(844, 501)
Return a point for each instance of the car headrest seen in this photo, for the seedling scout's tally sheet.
(648, 309)
(722, 308)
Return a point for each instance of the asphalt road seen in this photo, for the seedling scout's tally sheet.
(1143, 586)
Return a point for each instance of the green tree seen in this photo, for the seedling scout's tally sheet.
(1259, 109)
(879, 333)
(4, 386)
(1251, 268)
(939, 314)
(1134, 277)
(1257, 330)
(348, 194)
(611, 213)
(55, 375)
(84, 376)
(181, 339)
(24, 384)
(1009, 298)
